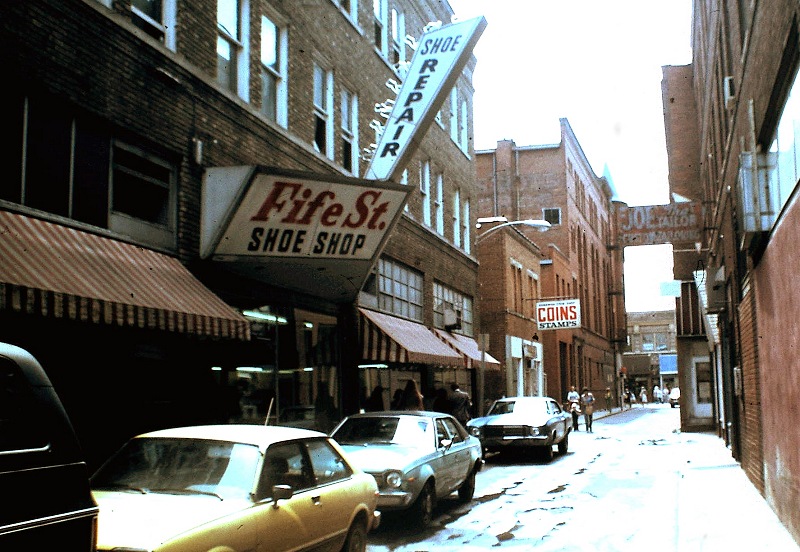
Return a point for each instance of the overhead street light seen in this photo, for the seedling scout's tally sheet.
(541, 225)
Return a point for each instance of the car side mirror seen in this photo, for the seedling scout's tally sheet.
(446, 443)
(281, 492)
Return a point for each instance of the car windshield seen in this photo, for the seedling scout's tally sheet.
(399, 430)
(185, 466)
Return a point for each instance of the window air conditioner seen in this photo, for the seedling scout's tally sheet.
(452, 319)
(758, 195)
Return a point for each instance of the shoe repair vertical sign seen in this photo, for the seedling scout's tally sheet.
(438, 61)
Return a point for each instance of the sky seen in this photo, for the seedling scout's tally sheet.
(597, 63)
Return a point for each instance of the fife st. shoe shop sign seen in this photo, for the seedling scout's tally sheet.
(312, 233)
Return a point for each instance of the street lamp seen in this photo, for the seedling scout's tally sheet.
(541, 225)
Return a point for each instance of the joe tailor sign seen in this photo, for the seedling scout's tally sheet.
(313, 233)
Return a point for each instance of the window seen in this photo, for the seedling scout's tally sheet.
(463, 128)
(380, 34)
(273, 72)
(786, 145)
(156, 18)
(349, 8)
(457, 218)
(70, 165)
(399, 289)
(349, 122)
(439, 204)
(425, 191)
(466, 237)
(445, 297)
(323, 118)
(231, 50)
(398, 27)
(552, 215)
(454, 115)
(328, 465)
(142, 195)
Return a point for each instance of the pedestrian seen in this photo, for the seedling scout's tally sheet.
(397, 400)
(643, 395)
(460, 403)
(656, 394)
(412, 398)
(608, 399)
(626, 398)
(575, 410)
(441, 402)
(374, 402)
(325, 411)
(573, 395)
(665, 394)
(587, 405)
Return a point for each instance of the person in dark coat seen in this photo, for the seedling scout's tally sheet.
(374, 402)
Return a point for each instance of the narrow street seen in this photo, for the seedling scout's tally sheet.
(619, 488)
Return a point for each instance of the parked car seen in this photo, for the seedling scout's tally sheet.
(675, 397)
(47, 502)
(523, 424)
(417, 458)
(234, 488)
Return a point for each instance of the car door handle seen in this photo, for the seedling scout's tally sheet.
(316, 499)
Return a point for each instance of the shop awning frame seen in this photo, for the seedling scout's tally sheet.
(57, 271)
(391, 339)
(469, 348)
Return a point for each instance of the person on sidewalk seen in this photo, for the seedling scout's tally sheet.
(608, 399)
(644, 396)
(575, 410)
(461, 403)
(656, 394)
(587, 405)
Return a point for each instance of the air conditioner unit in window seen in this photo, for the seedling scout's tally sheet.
(729, 92)
(758, 194)
(715, 290)
(452, 319)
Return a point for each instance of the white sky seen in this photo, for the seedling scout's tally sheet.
(598, 64)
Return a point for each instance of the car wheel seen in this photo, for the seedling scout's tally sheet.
(467, 489)
(356, 538)
(423, 507)
(563, 446)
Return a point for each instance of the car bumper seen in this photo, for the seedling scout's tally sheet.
(530, 441)
(394, 500)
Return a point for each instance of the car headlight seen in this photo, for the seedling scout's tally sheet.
(533, 431)
(394, 479)
(475, 431)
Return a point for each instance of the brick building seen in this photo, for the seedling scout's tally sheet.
(732, 120)
(650, 358)
(137, 132)
(556, 183)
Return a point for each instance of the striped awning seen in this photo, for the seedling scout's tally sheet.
(469, 348)
(56, 271)
(387, 338)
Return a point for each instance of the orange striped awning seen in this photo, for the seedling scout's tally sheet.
(57, 271)
(387, 338)
(469, 348)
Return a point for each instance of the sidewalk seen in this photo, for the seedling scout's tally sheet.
(716, 506)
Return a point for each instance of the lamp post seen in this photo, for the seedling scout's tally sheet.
(541, 225)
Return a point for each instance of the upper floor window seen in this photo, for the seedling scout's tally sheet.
(465, 226)
(400, 289)
(439, 204)
(156, 18)
(380, 37)
(457, 218)
(786, 145)
(454, 115)
(425, 191)
(446, 298)
(552, 215)
(349, 8)
(398, 28)
(323, 115)
(349, 123)
(68, 164)
(231, 47)
(273, 71)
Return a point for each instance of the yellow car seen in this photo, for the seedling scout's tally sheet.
(233, 488)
